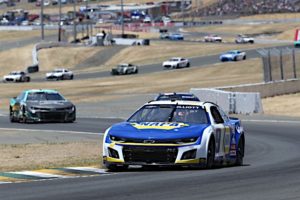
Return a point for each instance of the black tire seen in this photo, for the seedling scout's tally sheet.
(188, 64)
(27, 79)
(244, 58)
(71, 77)
(11, 116)
(251, 42)
(240, 153)
(24, 118)
(116, 168)
(136, 71)
(210, 154)
(177, 66)
(235, 59)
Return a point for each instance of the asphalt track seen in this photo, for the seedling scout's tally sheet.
(271, 172)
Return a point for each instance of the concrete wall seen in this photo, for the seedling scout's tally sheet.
(268, 89)
(231, 102)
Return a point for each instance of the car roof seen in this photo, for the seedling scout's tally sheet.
(41, 90)
(177, 102)
(177, 96)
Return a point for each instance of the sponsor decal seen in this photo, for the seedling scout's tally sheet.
(158, 125)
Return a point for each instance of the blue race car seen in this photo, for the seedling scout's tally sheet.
(176, 36)
(234, 55)
(175, 133)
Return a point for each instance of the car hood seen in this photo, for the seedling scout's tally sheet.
(53, 74)
(49, 104)
(157, 130)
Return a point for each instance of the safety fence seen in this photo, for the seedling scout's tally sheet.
(280, 64)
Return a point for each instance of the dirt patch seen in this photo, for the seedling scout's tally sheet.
(49, 155)
(287, 105)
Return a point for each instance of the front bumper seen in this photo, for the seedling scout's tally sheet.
(51, 116)
(167, 155)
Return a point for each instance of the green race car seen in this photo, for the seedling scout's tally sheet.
(41, 106)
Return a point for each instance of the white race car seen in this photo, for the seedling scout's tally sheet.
(171, 132)
(233, 55)
(176, 62)
(212, 38)
(60, 74)
(244, 39)
(16, 76)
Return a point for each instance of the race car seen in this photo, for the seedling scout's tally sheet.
(175, 36)
(234, 55)
(16, 76)
(60, 74)
(41, 106)
(176, 96)
(176, 62)
(244, 39)
(125, 68)
(175, 133)
(212, 38)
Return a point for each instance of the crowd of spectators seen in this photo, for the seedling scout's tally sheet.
(249, 7)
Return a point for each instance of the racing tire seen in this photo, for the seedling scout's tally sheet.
(240, 153)
(176, 67)
(210, 154)
(188, 64)
(251, 42)
(71, 77)
(12, 119)
(136, 71)
(24, 118)
(244, 58)
(235, 59)
(116, 168)
(28, 79)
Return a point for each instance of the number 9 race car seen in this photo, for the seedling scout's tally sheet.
(175, 133)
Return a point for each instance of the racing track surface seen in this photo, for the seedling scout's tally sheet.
(271, 172)
(151, 68)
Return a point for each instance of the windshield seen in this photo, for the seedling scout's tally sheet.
(58, 70)
(174, 59)
(44, 96)
(15, 73)
(170, 113)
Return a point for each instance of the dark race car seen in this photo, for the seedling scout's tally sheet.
(41, 106)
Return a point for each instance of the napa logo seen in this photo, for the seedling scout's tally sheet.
(158, 125)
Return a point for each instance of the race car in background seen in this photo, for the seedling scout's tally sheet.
(175, 36)
(176, 62)
(16, 76)
(60, 74)
(233, 55)
(176, 96)
(175, 133)
(41, 106)
(212, 38)
(244, 39)
(125, 68)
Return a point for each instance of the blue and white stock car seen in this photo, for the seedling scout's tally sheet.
(175, 133)
(233, 55)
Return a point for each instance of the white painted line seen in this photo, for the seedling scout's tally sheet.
(39, 174)
(47, 131)
(88, 169)
(271, 121)
(4, 182)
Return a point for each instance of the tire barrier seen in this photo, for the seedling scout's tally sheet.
(32, 69)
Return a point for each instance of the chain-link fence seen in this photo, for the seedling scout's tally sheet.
(280, 64)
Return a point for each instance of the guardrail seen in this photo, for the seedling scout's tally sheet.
(45, 45)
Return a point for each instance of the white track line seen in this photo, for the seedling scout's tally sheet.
(38, 174)
(271, 121)
(47, 131)
(88, 169)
